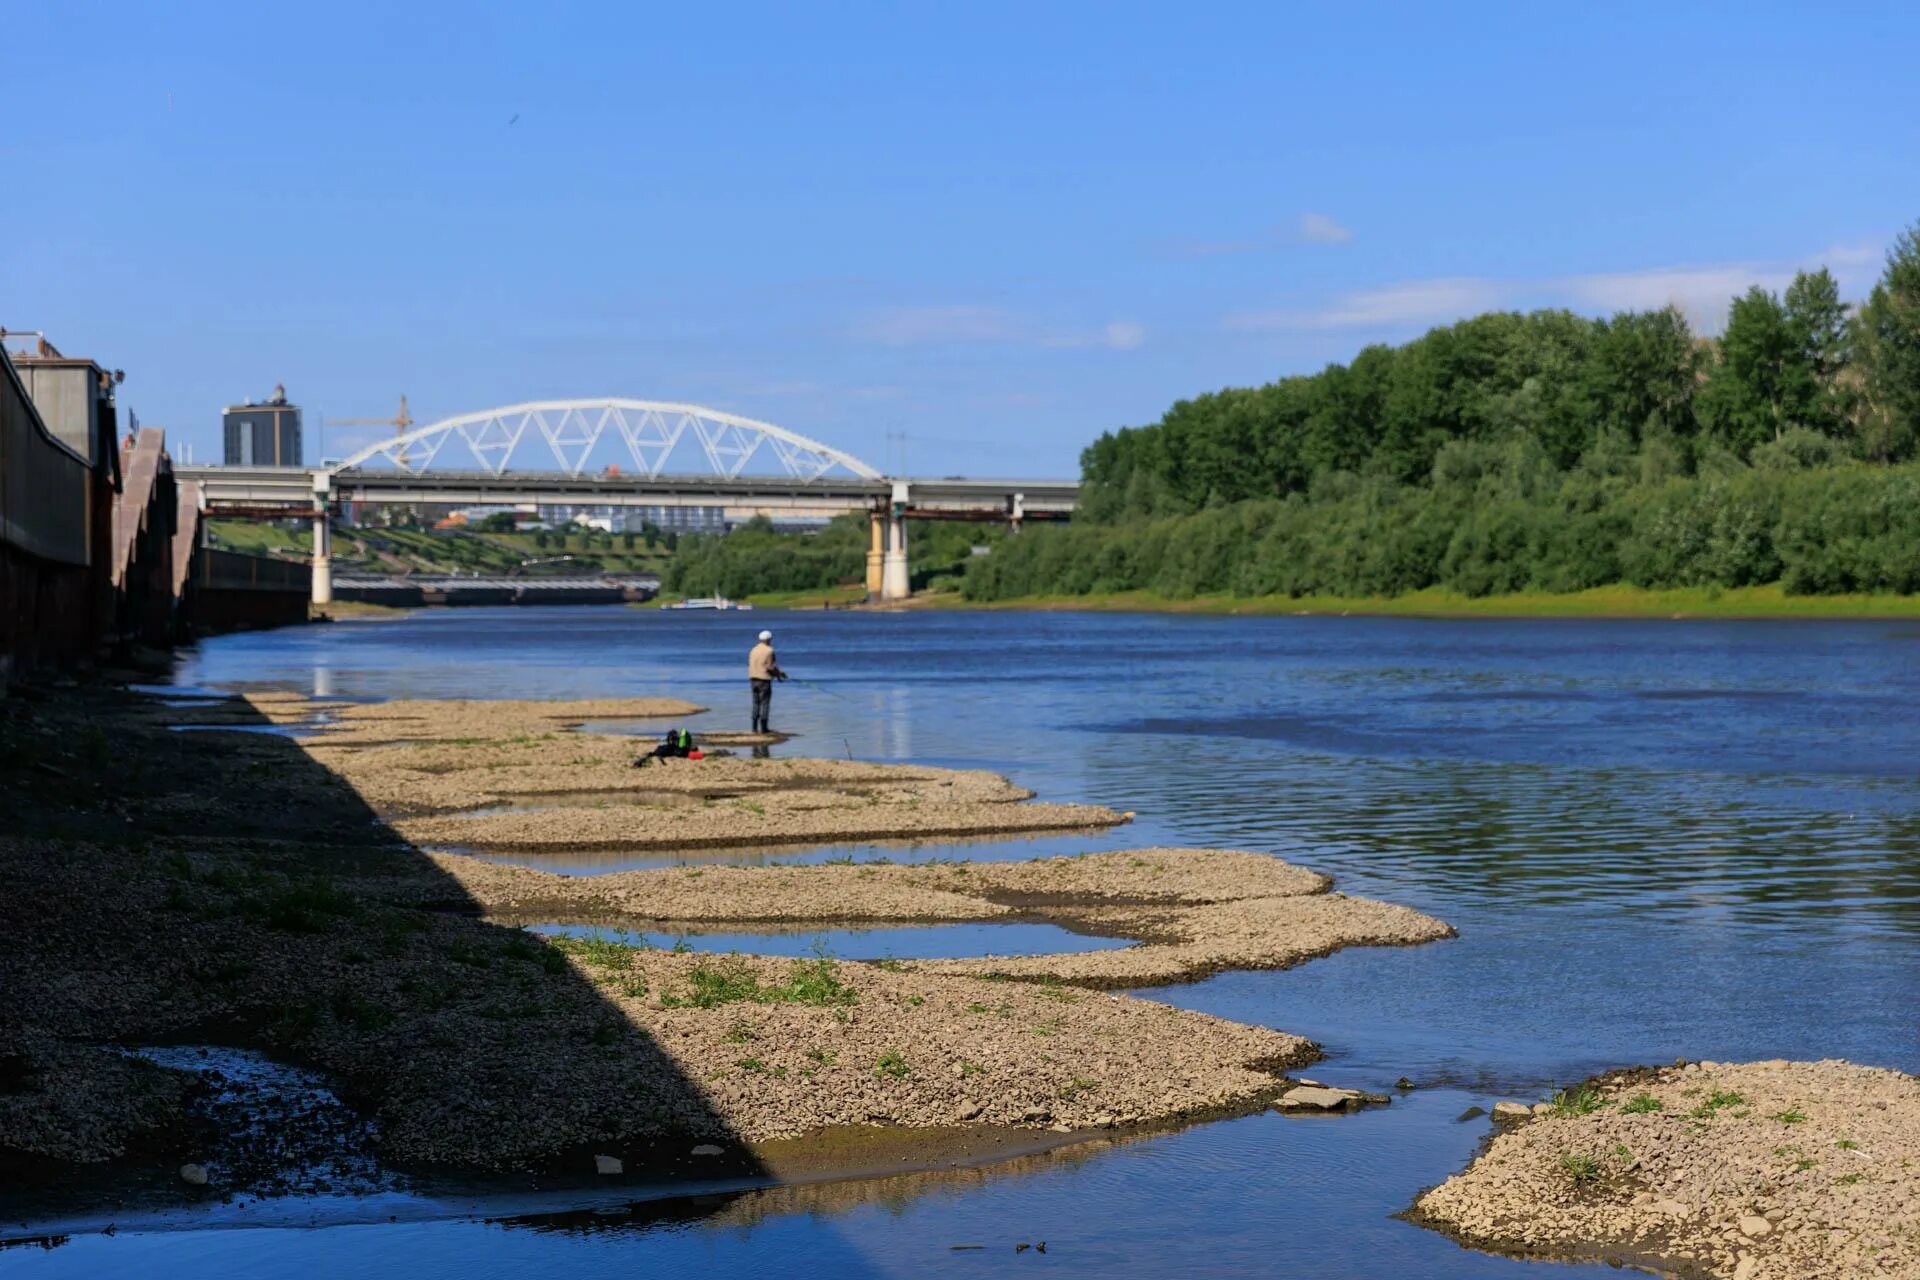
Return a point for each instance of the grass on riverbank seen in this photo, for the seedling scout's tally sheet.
(1618, 601)
(810, 598)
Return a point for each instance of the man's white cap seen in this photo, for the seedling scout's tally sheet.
(766, 635)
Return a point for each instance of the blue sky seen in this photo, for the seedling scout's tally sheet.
(997, 229)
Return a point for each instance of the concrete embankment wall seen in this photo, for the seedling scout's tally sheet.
(56, 512)
(100, 547)
(146, 520)
(229, 591)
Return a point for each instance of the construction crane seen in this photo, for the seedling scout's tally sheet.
(400, 421)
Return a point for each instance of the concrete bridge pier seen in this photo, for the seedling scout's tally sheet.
(876, 553)
(895, 581)
(322, 542)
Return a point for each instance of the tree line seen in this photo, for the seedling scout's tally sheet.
(756, 558)
(1544, 451)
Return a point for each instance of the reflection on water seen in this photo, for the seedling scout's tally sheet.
(1655, 839)
(1258, 1196)
(909, 942)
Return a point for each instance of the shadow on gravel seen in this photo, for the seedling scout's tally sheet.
(220, 889)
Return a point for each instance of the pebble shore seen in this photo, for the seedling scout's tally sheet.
(1739, 1171)
(275, 902)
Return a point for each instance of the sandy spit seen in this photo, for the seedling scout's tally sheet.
(1748, 1171)
(1196, 911)
(519, 775)
(473, 719)
(814, 819)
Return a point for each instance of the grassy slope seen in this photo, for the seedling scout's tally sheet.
(438, 552)
(1601, 602)
(260, 538)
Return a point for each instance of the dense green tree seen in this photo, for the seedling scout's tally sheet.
(1544, 451)
(1887, 340)
(1823, 333)
(1752, 393)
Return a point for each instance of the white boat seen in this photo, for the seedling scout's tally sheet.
(707, 602)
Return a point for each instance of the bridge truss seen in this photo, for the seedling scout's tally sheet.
(572, 433)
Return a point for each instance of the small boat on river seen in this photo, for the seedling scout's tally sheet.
(707, 602)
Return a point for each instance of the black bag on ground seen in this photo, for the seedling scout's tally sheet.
(677, 745)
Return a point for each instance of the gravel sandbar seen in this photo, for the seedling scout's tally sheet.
(1755, 1171)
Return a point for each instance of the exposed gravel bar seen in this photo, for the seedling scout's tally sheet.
(247, 889)
(1751, 1171)
(518, 775)
(1196, 911)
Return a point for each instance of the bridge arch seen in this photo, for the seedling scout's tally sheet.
(571, 430)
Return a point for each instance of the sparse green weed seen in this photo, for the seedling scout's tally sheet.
(1577, 1102)
(1579, 1168)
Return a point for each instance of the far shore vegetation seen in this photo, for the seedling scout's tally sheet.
(1536, 464)
(1614, 601)
(1511, 464)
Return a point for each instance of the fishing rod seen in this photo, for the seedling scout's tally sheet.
(822, 688)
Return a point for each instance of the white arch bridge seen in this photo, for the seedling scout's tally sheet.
(624, 453)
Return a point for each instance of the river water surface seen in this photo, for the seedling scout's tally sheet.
(1656, 839)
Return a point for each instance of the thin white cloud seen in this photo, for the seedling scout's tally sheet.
(1308, 228)
(1415, 302)
(1318, 228)
(921, 326)
(1701, 293)
(958, 325)
(1695, 290)
(1115, 335)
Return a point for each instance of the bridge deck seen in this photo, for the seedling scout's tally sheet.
(293, 487)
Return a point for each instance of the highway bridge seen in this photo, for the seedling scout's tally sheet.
(625, 453)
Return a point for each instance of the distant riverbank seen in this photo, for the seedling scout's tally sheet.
(1600, 602)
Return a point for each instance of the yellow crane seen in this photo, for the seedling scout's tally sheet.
(400, 421)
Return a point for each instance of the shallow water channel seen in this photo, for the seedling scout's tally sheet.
(1655, 838)
(901, 942)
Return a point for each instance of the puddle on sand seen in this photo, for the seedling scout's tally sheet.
(301, 730)
(999, 848)
(902, 942)
(548, 801)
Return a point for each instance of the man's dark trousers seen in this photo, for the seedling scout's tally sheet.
(762, 704)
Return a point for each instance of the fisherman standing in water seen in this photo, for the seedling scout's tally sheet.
(762, 670)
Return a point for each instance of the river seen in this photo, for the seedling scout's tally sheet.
(1657, 839)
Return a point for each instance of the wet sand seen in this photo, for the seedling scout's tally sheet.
(1748, 1171)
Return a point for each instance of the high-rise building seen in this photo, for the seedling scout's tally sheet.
(266, 434)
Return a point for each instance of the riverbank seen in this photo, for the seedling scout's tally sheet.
(1747, 1171)
(1758, 603)
(1620, 601)
(222, 872)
